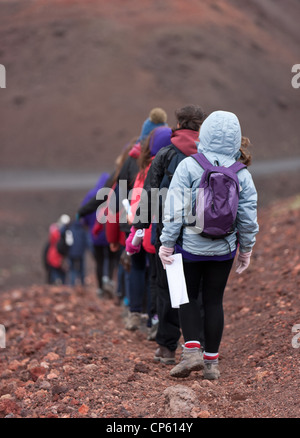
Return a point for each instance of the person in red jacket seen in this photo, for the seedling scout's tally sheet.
(55, 260)
(145, 253)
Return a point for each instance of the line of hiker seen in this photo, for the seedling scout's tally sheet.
(201, 154)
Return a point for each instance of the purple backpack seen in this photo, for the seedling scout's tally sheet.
(217, 204)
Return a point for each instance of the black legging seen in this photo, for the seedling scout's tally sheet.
(168, 333)
(214, 276)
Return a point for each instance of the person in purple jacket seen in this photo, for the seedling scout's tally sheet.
(106, 260)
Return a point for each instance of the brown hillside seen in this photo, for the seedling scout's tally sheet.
(82, 76)
(81, 79)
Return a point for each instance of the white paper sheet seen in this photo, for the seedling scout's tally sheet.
(176, 282)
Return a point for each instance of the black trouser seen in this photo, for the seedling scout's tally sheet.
(102, 255)
(168, 332)
(152, 284)
(211, 277)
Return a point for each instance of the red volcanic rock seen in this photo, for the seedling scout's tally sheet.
(81, 371)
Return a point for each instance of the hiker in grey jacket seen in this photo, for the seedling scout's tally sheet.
(204, 259)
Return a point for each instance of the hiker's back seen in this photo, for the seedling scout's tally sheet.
(188, 175)
(80, 240)
(172, 158)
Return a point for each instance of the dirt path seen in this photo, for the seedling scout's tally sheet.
(68, 354)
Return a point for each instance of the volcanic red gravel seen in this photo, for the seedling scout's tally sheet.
(68, 354)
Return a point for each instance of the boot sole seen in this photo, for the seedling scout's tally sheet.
(211, 376)
(164, 360)
(186, 372)
(132, 328)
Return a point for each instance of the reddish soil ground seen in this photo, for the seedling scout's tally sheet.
(68, 354)
(81, 79)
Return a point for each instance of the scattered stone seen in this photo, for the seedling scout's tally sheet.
(141, 368)
(83, 409)
(179, 401)
(37, 372)
(51, 356)
(52, 376)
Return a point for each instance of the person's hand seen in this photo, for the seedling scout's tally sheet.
(243, 261)
(97, 228)
(165, 255)
(125, 261)
(114, 247)
(132, 249)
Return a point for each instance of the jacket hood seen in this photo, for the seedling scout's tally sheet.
(135, 151)
(185, 140)
(220, 133)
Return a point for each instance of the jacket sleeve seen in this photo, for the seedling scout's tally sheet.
(112, 231)
(92, 205)
(150, 202)
(177, 205)
(144, 204)
(128, 173)
(247, 224)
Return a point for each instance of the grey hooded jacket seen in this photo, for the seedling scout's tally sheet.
(220, 141)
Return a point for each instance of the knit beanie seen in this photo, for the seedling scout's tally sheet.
(160, 138)
(157, 117)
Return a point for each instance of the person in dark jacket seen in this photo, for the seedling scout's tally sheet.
(77, 239)
(183, 143)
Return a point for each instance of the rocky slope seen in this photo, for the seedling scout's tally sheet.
(68, 354)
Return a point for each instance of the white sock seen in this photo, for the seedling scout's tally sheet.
(210, 357)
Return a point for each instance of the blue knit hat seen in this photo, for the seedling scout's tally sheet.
(157, 117)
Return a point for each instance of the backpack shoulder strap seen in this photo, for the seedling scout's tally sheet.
(237, 166)
(171, 153)
(202, 160)
(173, 159)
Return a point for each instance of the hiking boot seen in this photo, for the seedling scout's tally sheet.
(108, 287)
(100, 293)
(211, 371)
(164, 355)
(191, 360)
(103, 294)
(152, 332)
(133, 321)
